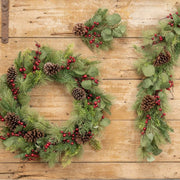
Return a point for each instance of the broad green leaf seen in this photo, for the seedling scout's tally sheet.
(150, 159)
(107, 34)
(87, 84)
(93, 71)
(79, 72)
(164, 77)
(169, 37)
(10, 141)
(156, 151)
(150, 136)
(119, 31)
(113, 19)
(145, 141)
(97, 18)
(105, 122)
(148, 71)
(177, 30)
(147, 83)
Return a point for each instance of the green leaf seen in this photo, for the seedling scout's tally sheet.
(164, 77)
(105, 122)
(156, 151)
(145, 141)
(147, 83)
(43, 54)
(92, 71)
(119, 31)
(87, 84)
(150, 136)
(169, 37)
(150, 159)
(148, 71)
(97, 18)
(10, 141)
(177, 30)
(79, 72)
(107, 34)
(113, 19)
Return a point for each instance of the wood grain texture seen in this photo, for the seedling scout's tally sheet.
(50, 22)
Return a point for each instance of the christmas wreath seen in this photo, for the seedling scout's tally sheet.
(31, 136)
(99, 31)
(160, 53)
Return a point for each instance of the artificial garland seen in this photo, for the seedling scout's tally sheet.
(28, 134)
(160, 53)
(99, 31)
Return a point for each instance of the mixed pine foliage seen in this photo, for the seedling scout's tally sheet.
(160, 53)
(30, 135)
(99, 31)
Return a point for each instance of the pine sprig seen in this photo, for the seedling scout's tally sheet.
(160, 53)
(99, 31)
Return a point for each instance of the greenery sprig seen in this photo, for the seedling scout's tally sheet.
(99, 31)
(160, 53)
(28, 134)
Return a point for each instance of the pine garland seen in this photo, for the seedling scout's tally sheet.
(99, 31)
(160, 53)
(28, 134)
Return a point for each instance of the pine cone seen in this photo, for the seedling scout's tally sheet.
(11, 75)
(78, 93)
(11, 121)
(51, 69)
(32, 136)
(83, 138)
(79, 29)
(162, 59)
(148, 102)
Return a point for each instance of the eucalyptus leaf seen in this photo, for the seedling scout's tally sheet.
(147, 83)
(150, 159)
(92, 71)
(105, 122)
(177, 30)
(87, 84)
(113, 19)
(119, 31)
(97, 18)
(107, 34)
(150, 136)
(148, 71)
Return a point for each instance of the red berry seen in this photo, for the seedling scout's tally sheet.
(64, 135)
(100, 42)
(172, 24)
(94, 107)
(152, 38)
(94, 22)
(34, 67)
(20, 69)
(69, 61)
(89, 35)
(2, 119)
(15, 97)
(97, 23)
(39, 61)
(102, 117)
(24, 69)
(91, 42)
(142, 132)
(68, 68)
(72, 143)
(149, 117)
(85, 76)
(94, 33)
(62, 131)
(97, 45)
(155, 35)
(146, 121)
(11, 80)
(167, 16)
(95, 102)
(85, 36)
(99, 101)
(164, 114)
(35, 57)
(62, 67)
(160, 109)
(88, 103)
(26, 155)
(92, 78)
(144, 128)
(68, 141)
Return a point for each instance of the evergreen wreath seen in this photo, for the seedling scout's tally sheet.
(160, 53)
(31, 136)
(99, 31)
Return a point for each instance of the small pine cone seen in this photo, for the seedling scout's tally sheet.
(78, 93)
(148, 102)
(51, 69)
(162, 58)
(79, 29)
(11, 75)
(11, 121)
(32, 136)
(85, 138)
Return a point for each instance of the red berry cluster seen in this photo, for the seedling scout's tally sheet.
(14, 90)
(93, 100)
(69, 62)
(148, 117)
(32, 156)
(22, 70)
(93, 36)
(46, 146)
(85, 77)
(15, 134)
(157, 39)
(2, 137)
(37, 61)
(171, 83)
(171, 23)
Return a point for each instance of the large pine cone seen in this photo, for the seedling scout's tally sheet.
(162, 59)
(32, 136)
(148, 102)
(83, 138)
(11, 121)
(79, 29)
(78, 93)
(11, 75)
(51, 69)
